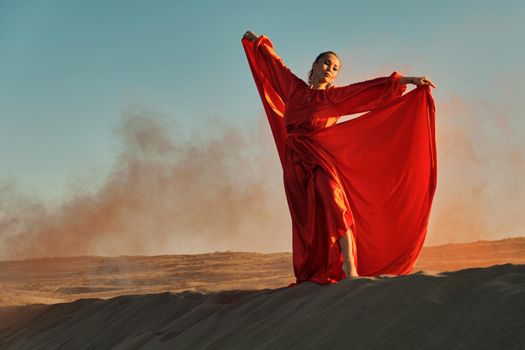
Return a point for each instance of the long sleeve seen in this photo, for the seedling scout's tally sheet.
(366, 95)
(280, 77)
(275, 82)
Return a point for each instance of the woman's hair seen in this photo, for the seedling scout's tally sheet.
(320, 56)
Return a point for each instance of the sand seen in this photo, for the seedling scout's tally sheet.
(232, 300)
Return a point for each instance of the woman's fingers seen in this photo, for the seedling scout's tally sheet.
(429, 82)
(426, 81)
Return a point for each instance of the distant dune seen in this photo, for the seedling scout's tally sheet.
(53, 280)
(232, 300)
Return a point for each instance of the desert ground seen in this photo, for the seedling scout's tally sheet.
(459, 296)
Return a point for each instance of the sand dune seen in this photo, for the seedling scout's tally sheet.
(479, 308)
(235, 300)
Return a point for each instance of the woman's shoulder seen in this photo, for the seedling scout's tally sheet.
(301, 83)
(299, 87)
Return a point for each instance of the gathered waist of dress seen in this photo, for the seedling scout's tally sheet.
(299, 149)
(299, 139)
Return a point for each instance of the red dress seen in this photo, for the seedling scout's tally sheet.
(375, 174)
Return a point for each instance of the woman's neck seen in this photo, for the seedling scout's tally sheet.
(316, 86)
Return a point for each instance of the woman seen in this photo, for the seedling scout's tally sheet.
(316, 189)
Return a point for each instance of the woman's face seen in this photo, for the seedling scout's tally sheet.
(325, 70)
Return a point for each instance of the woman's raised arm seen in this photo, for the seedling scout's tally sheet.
(280, 77)
(366, 95)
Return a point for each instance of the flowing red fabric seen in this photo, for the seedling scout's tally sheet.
(375, 174)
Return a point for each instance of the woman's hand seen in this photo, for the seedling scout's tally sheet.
(423, 81)
(250, 36)
(417, 81)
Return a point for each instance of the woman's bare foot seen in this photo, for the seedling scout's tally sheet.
(349, 270)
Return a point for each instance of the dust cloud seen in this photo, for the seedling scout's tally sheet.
(163, 196)
(481, 166)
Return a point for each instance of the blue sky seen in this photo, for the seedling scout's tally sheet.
(69, 70)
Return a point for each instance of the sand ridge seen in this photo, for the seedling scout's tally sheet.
(477, 308)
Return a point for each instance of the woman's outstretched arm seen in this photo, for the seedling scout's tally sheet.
(366, 95)
(280, 77)
(373, 93)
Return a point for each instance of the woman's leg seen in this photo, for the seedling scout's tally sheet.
(345, 244)
(333, 205)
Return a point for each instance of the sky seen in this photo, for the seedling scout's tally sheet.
(85, 86)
